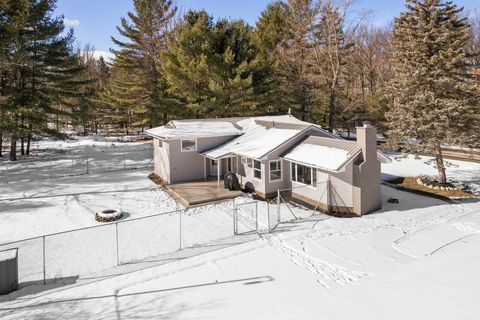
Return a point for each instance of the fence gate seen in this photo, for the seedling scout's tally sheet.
(246, 218)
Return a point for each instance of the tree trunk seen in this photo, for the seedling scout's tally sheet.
(1, 144)
(13, 149)
(442, 176)
(29, 138)
(331, 110)
(22, 146)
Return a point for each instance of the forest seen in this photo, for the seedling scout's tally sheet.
(416, 78)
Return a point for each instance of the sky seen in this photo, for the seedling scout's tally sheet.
(94, 21)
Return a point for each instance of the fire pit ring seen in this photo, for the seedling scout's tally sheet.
(108, 215)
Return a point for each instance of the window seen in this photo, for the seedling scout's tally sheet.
(244, 160)
(257, 170)
(160, 144)
(249, 163)
(189, 145)
(304, 175)
(275, 170)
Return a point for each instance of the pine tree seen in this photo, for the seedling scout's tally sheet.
(300, 89)
(211, 67)
(41, 72)
(433, 89)
(271, 30)
(140, 57)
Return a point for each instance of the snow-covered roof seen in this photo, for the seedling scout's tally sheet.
(324, 153)
(195, 129)
(261, 135)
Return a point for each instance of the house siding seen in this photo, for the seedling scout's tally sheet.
(175, 166)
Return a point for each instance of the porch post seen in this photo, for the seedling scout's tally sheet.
(219, 164)
(205, 168)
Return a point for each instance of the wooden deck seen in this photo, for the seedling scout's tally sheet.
(191, 194)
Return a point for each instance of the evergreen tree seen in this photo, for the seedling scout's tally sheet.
(299, 86)
(433, 89)
(211, 68)
(42, 70)
(140, 57)
(272, 30)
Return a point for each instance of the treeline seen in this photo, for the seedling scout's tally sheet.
(314, 57)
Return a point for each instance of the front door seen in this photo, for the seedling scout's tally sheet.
(213, 168)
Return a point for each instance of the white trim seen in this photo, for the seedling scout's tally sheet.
(254, 169)
(311, 186)
(270, 171)
(181, 145)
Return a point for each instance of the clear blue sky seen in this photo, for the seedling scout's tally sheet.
(94, 21)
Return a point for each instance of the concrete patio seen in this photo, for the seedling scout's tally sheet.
(195, 193)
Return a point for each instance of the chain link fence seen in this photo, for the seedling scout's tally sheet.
(94, 249)
(78, 160)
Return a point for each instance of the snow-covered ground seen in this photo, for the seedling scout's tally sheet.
(415, 260)
(418, 259)
(461, 171)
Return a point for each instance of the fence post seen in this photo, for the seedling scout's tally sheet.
(6, 173)
(278, 207)
(234, 218)
(44, 263)
(180, 222)
(116, 241)
(124, 156)
(268, 216)
(256, 216)
(87, 166)
(51, 173)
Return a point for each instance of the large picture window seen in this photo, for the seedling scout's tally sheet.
(257, 170)
(275, 170)
(189, 145)
(305, 175)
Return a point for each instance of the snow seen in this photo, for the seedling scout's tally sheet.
(322, 157)
(8, 255)
(461, 171)
(255, 142)
(415, 260)
(418, 259)
(195, 129)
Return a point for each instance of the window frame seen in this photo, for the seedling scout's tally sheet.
(257, 170)
(279, 168)
(249, 162)
(313, 175)
(181, 145)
